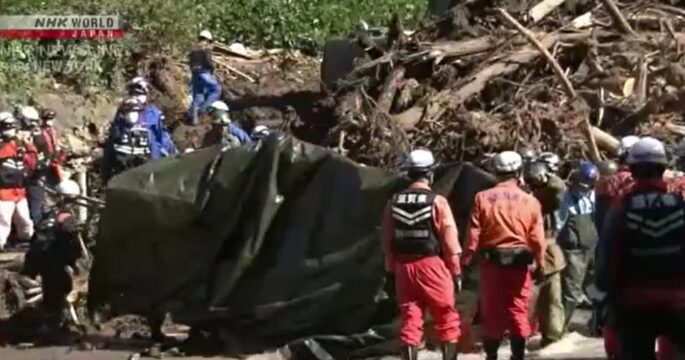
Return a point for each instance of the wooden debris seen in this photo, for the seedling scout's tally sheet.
(497, 87)
(541, 9)
(619, 19)
(235, 71)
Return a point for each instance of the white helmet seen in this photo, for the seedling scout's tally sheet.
(138, 86)
(29, 113)
(68, 188)
(205, 34)
(507, 162)
(647, 150)
(419, 159)
(219, 112)
(259, 132)
(219, 105)
(551, 160)
(7, 117)
(626, 143)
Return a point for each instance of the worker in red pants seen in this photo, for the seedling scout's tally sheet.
(422, 253)
(507, 235)
(609, 189)
(640, 256)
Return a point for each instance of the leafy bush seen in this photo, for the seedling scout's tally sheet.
(171, 26)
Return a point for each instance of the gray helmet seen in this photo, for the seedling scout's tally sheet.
(537, 174)
(607, 167)
(528, 154)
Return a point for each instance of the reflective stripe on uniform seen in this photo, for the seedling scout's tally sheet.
(412, 218)
(656, 228)
(656, 251)
(411, 233)
(130, 150)
(13, 164)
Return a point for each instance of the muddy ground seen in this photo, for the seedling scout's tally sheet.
(126, 339)
(285, 95)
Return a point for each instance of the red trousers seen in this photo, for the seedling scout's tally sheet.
(504, 300)
(426, 283)
(665, 349)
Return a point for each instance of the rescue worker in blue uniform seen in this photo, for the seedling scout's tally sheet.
(640, 256)
(224, 131)
(152, 116)
(136, 136)
(577, 235)
(205, 88)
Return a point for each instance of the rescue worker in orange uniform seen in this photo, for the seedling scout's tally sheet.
(508, 238)
(640, 256)
(422, 253)
(17, 159)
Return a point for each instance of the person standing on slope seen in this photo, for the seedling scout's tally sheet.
(205, 88)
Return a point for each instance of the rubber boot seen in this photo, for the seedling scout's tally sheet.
(409, 353)
(450, 351)
(518, 348)
(491, 347)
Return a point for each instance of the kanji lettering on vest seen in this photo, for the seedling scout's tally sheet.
(504, 196)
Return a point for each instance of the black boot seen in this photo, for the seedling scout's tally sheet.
(450, 351)
(409, 353)
(491, 347)
(518, 348)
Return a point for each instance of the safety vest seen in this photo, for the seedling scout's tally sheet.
(414, 230)
(134, 143)
(654, 241)
(12, 172)
(579, 231)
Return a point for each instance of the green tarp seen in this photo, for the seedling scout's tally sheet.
(278, 243)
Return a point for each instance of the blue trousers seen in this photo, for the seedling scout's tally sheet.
(206, 90)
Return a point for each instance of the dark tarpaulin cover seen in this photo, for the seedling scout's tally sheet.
(280, 244)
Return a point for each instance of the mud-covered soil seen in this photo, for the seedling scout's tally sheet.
(283, 93)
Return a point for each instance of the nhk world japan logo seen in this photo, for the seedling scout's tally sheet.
(61, 27)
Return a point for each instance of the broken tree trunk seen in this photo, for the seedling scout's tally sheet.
(604, 140)
(450, 98)
(389, 89)
(550, 59)
(642, 85)
(594, 152)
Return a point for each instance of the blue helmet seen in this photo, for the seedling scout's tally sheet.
(586, 176)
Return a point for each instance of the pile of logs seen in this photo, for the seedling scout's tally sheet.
(561, 79)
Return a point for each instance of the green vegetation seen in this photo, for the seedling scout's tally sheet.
(170, 26)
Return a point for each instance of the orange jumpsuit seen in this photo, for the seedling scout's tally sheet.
(506, 217)
(426, 281)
